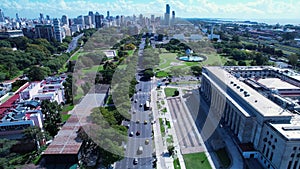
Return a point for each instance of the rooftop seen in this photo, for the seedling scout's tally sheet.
(262, 105)
(276, 83)
(289, 131)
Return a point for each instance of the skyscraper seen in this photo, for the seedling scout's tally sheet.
(41, 18)
(57, 30)
(173, 18)
(167, 15)
(168, 9)
(98, 20)
(17, 17)
(107, 17)
(65, 20)
(1, 16)
(92, 16)
(88, 20)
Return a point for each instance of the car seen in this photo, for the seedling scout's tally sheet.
(140, 89)
(145, 122)
(141, 105)
(146, 141)
(137, 133)
(131, 134)
(128, 125)
(135, 100)
(135, 161)
(138, 121)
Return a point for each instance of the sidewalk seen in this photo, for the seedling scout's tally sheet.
(164, 162)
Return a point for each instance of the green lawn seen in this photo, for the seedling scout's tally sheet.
(176, 164)
(170, 139)
(162, 128)
(223, 157)
(162, 74)
(67, 107)
(166, 59)
(65, 117)
(169, 91)
(93, 69)
(75, 56)
(196, 161)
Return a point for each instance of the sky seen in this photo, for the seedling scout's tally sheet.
(239, 9)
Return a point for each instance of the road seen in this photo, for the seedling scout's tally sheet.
(73, 43)
(141, 122)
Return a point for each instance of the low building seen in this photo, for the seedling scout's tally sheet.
(11, 34)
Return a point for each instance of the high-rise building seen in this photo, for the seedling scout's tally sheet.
(107, 16)
(2, 19)
(88, 20)
(98, 20)
(64, 20)
(47, 17)
(173, 15)
(92, 16)
(168, 9)
(167, 15)
(44, 31)
(41, 18)
(80, 20)
(57, 30)
(17, 17)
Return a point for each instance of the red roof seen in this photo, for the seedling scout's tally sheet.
(10, 102)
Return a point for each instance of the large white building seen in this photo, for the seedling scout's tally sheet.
(270, 130)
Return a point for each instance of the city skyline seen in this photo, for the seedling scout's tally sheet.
(245, 9)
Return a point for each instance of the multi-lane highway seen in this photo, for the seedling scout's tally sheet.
(140, 125)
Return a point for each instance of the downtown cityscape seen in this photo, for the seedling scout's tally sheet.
(153, 84)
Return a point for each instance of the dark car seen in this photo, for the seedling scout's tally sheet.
(138, 133)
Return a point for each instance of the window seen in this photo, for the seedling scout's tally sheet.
(267, 154)
(295, 165)
(271, 136)
(271, 157)
(292, 155)
(290, 164)
(267, 133)
(275, 140)
(295, 148)
(264, 149)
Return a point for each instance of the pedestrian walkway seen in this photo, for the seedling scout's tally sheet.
(164, 161)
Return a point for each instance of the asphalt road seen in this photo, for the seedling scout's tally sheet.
(141, 122)
(73, 43)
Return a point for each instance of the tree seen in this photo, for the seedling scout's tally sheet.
(68, 89)
(242, 63)
(196, 70)
(176, 93)
(37, 73)
(51, 111)
(236, 38)
(293, 59)
(148, 73)
(4, 43)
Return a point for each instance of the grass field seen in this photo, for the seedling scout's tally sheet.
(65, 117)
(161, 74)
(176, 164)
(167, 58)
(93, 69)
(169, 91)
(196, 161)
